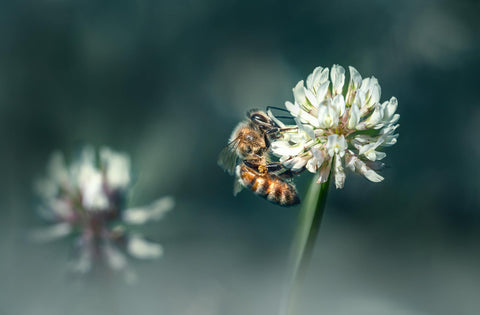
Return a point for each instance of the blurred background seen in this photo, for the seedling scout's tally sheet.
(166, 82)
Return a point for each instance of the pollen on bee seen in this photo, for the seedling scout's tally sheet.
(262, 169)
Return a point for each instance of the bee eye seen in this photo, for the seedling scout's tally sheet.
(259, 118)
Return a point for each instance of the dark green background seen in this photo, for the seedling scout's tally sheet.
(166, 81)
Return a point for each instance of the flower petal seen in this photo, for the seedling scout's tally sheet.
(360, 100)
(353, 117)
(376, 92)
(297, 163)
(307, 129)
(336, 145)
(355, 78)
(142, 249)
(374, 119)
(322, 91)
(311, 98)
(339, 173)
(316, 160)
(307, 118)
(322, 76)
(312, 165)
(319, 155)
(372, 91)
(57, 169)
(390, 108)
(338, 79)
(362, 168)
(115, 258)
(284, 148)
(51, 233)
(338, 103)
(299, 94)
(84, 260)
(327, 116)
(353, 85)
(313, 78)
(275, 120)
(324, 171)
(116, 167)
(294, 109)
(93, 194)
(372, 176)
(152, 212)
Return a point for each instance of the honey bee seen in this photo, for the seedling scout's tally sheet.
(249, 144)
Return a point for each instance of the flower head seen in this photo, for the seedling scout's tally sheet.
(338, 126)
(86, 199)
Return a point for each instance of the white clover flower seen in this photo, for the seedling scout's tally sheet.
(86, 199)
(337, 125)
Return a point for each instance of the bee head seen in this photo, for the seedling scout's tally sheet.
(260, 119)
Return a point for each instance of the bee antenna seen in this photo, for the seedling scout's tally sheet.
(277, 108)
(285, 117)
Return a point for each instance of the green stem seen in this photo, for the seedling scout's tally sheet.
(305, 235)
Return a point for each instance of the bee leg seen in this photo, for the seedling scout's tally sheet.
(257, 166)
(298, 171)
(274, 133)
(268, 134)
(272, 130)
(274, 167)
(289, 173)
(252, 164)
(286, 174)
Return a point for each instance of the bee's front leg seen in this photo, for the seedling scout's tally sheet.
(257, 165)
(253, 163)
(268, 134)
(274, 167)
(288, 173)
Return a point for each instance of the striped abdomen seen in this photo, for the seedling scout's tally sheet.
(268, 186)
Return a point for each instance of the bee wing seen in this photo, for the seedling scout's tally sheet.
(227, 158)
(237, 186)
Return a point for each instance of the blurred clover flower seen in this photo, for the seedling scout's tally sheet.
(86, 199)
(338, 124)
